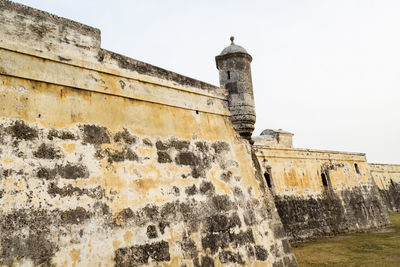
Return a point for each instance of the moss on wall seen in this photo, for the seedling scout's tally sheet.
(319, 193)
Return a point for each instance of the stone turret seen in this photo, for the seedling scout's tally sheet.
(235, 75)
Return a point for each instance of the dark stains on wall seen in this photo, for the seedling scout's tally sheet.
(189, 248)
(226, 176)
(249, 217)
(63, 135)
(286, 246)
(123, 216)
(34, 244)
(46, 151)
(176, 191)
(138, 255)
(95, 135)
(275, 251)
(1, 135)
(99, 135)
(66, 171)
(391, 196)
(224, 222)
(220, 240)
(163, 157)
(198, 157)
(243, 238)
(125, 137)
(207, 188)
(234, 220)
(191, 190)
(179, 144)
(278, 230)
(5, 172)
(220, 147)
(216, 218)
(222, 203)
(151, 231)
(45, 173)
(119, 156)
(307, 217)
(69, 191)
(287, 261)
(21, 131)
(151, 212)
(206, 261)
(73, 171)
(187, 158)
(100, 56)
(197, 164)
(261, 253)
(147, 142)
(161, 146)
(303, 218)
(162, 225)
(229, 256)
(363, 204)
(74, 216)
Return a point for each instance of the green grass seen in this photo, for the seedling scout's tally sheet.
(358, 249)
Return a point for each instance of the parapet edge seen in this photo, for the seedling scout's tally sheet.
(40, 15)
(143, 68)
(310, 150)
(48, 36)
(377, 167)
(384, 164)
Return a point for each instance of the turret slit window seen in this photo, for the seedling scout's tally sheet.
(267, 177)
(324, 181)
(357, 168)
(229, 75)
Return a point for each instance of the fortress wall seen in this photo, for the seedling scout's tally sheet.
(387, 178)
(347, 202)
(105, 160)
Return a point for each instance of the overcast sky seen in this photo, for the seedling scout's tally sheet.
(328, 71)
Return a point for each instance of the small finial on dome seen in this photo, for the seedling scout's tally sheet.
(232, 39)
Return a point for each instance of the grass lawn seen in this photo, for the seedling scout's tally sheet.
(361, 249)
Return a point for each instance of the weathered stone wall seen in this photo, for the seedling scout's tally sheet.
(320, 193)
(274, 138)
(387, 178)
(105, 160)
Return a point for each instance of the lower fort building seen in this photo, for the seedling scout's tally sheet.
(319, 192)
(106, 160)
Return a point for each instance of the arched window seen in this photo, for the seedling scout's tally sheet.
(357, 168)
(267, 177)
(324, 181)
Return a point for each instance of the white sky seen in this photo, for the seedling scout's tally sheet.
(328, 71)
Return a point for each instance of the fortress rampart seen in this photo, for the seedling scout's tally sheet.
(106, 160)
(318, 192)
(387, 178)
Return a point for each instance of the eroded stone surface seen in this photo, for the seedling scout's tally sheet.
(219, 225)
(320, 193)
(117, 162)
(387, 179)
